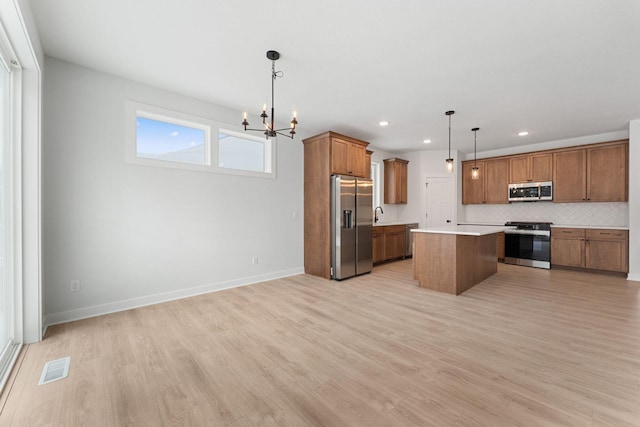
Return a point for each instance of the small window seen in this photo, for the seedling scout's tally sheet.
(161, 138)
(240, 152)
(171, 139)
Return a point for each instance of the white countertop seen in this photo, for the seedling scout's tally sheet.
(382, 224)
(600, 227)
(466, 230)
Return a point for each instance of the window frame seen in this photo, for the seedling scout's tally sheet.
(212, 128)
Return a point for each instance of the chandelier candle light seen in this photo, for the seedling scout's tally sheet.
(450, 159)
(474, 170)
(269, 127)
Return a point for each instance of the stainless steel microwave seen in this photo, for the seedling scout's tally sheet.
(531, 191)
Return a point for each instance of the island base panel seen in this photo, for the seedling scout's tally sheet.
(453, 263)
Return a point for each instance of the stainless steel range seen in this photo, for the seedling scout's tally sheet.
(528, 244)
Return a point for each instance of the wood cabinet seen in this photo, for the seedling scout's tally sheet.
(491, 185)
(607, 173)
(388, 242)
(326, 154)
(567, 247)
(472, 189)
(591, 248)
(531, 168)
(592, 174)
(496, 181)
(368, 164)
(395, 181)
(607, 250)
(348, 157)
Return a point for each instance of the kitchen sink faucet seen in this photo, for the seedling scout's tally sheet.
(375, 212)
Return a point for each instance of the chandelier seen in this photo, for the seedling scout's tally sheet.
(269, 129)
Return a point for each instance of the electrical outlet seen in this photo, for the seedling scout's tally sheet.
(74, 286)
(254, 260)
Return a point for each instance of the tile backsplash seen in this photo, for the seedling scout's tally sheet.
(588, 214)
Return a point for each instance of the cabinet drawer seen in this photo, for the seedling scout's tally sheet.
(603, 233)
(568, 232)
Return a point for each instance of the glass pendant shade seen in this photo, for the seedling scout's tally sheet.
(475, 172)
(450, 159)
(450, 165)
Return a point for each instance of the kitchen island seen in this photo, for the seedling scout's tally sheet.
(455, 258)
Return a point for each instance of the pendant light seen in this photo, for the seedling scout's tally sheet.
(450, 160)
(474, 170)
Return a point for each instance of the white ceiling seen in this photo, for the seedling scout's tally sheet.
(559, 69)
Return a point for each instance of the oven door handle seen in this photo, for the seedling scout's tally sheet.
(529, 232)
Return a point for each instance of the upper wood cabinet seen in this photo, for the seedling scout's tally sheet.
(607, 173)
(496, 181)
(472, 189)
(348, 157)
(595, 174)
(530, 168)
(590, 173)
(368, 164)
(569, 176)
(491, 185)
(395, 181)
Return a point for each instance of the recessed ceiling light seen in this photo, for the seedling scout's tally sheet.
(427, 141)
(384, 123)
(523, 133)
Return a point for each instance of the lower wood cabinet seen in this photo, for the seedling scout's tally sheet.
(592, 248)
(388, 242)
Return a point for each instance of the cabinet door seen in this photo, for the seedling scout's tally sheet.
(518, 169)
(379, 243)
(357, 160)
(607, 173)
(541, 167)
(568, 251)
(609, 255)
(401, 183)
(569, 176)
(473, 189)
(340, 156)
(395, 245)
(496, 181)
(395, 181)
(367, 171)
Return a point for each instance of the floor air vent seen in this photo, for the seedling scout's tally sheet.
(55, 370)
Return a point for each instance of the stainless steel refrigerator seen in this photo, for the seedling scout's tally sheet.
(351, 226)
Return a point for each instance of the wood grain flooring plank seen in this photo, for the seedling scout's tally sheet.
(524, 347)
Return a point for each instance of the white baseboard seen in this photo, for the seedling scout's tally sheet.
(113, 307)
(635, 277)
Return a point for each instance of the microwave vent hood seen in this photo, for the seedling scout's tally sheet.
(531, 192)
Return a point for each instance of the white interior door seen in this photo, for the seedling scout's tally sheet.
(439, 202)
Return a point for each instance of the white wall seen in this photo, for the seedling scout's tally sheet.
(634, 200)
(422, 164)
(135, 235)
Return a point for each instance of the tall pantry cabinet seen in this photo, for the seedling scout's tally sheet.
(327, 154)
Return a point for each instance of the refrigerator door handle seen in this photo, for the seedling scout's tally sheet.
(347, 219)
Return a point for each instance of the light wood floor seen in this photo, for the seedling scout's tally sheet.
(525, 347)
